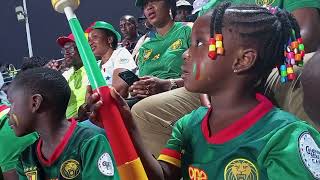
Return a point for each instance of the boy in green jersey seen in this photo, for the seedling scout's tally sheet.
(64, 150)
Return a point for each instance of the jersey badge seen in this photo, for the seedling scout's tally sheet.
(105, 165)
(156, 57)
(264, 2)
(70, 169)
(147, 54)
(241, 169)
(310, 154)
(31, 173)
(197, 174)
(176, 45)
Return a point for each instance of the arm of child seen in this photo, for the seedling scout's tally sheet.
(97, 159)
(153, 168)
(293, 153)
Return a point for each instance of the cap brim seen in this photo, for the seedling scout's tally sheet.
(114, 32)
(63, 40)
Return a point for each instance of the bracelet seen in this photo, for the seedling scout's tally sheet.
(174, 84)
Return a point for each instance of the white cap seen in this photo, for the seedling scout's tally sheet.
(198, 4)
(183, 3)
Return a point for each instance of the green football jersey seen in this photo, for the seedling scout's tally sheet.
(267, 143)
(82, 154)
(289, 5)
(161, 56)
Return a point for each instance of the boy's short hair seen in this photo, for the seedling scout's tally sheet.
(33, 62)
(50, 84)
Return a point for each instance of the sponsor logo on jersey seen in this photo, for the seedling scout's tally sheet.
(147, 54)
(176, 45)
(239, 169)
(264, 2)
(123, 61)
(31, 173)
(197, 174)
(70, 169)
(310, 154)
(105, 165)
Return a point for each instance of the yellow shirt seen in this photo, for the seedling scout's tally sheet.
(78, 82)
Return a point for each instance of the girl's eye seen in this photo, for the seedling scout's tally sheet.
(199, 44)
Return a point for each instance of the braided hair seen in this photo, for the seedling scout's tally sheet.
(271, 31)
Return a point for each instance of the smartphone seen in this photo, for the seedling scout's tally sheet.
(129, 77)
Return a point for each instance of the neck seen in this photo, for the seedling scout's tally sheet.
(53, 131)
(106, 56)
(132, 38)
(229, 106)
(164, 29)
(77, 65)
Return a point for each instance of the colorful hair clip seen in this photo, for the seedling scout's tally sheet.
(215, 46)
(294, 53)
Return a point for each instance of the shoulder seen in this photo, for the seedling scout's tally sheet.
(85, 131)
(184, 26)
(67, 74)
(292, 5)
(120, 51)
(194, 118)
(29, 153)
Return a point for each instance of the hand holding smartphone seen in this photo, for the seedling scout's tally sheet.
(129, 77)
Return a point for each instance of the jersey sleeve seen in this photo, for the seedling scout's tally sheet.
(172, 152)
(291, 5)
(293, 152)
(124, 60)
(97, 159)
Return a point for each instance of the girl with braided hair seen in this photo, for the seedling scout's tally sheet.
(243, 135)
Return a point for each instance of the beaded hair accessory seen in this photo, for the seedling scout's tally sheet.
(293, 53)
(215, 46)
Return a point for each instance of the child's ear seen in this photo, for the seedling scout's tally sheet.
(245, 61)
(36, 102)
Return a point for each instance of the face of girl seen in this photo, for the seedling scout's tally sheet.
(200, 73)
(156, 12)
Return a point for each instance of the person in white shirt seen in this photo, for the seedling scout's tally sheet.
(103, 39)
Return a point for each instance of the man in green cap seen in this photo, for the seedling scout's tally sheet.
(164, 99)
(307, 13)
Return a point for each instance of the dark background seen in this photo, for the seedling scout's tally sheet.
(46, 25)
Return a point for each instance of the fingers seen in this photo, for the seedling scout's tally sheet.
(88, 93)
(93, 114)
(116, 96)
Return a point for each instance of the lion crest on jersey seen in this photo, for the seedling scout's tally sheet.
(70, 169)
(264, 2)
(147, 54)
(176, 45)
(241, 169)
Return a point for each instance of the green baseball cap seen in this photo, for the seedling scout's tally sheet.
(107, 26)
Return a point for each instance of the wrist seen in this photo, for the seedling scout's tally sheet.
(173, 84)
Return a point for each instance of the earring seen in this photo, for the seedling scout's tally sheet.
(236, 70)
